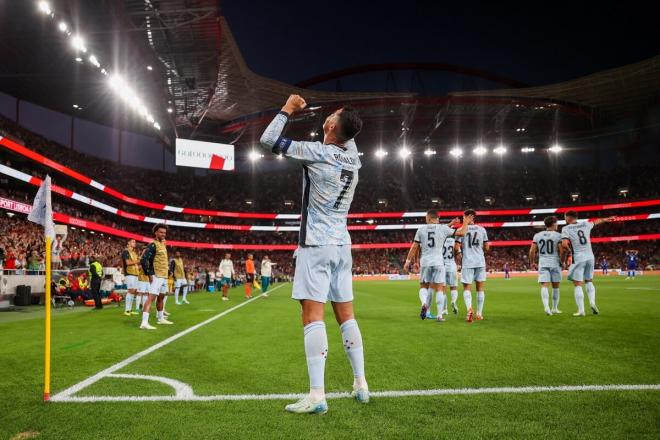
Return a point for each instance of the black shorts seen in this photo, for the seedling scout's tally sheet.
(249, 277)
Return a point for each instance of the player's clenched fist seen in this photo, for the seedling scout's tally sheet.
(294, 104)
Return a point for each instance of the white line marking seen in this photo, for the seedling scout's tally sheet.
(642, 288)
(100, 375)
(181, 390)
(410, 393)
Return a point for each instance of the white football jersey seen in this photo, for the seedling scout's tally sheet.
(579, 235)
(548, 243)
(431, 238)
(330, 176)
(472, 247)
(448, 255)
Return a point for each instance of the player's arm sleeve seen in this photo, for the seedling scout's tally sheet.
(418, 236)
(272, 139)
(124, 255)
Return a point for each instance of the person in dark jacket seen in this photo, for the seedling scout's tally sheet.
(96, 275)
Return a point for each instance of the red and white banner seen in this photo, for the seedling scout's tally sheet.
(208, 155)
(23, 151)
(92, 226)
(19, 175)
(12, 205)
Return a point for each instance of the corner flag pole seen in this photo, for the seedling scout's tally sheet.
(42, 214)
(47, 338)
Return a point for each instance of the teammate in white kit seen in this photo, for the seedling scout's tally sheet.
(429, 239)
(577, 236)
(473, 267)
(451, 282)
(324, 261)
(547, 245)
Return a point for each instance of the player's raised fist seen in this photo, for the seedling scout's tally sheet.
(294, 104)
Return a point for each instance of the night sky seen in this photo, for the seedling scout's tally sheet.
(534, 42)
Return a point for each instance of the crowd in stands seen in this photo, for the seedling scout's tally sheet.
(384, 185)
(23, 250)
(398, 186)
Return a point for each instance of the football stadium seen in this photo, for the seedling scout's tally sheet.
(289, 220)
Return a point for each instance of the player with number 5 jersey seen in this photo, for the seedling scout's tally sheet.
(473, 267)
(429, 241)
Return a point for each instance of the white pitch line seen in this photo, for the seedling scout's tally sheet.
(69, 392)
(384, 394)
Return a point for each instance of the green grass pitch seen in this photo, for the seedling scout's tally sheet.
(257, 349)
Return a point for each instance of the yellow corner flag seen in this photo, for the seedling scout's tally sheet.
(42, 213)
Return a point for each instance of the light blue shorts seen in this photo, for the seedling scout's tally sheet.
(471, 274)
(450, 278)
(432, 274)
(324, 273)
(549, 274)
(584, 270)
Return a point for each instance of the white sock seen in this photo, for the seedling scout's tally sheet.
(440, 301)
(185, 293)
(164, 301)
(316, 351)
(444, 299)
(579, 298)
(160, 315)
(145, 317)
(591, 293)
(555, 298)
(429, 297)
(352, 339)
(454, 296)
(138, 301)
(467, 297)
(545, 298)
(481, 297)
(176, 294)
(422, 295)
(129, 301)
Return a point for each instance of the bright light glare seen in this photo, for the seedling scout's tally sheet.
(254, 156)
(45, 8)
(555, 149)
(479, 150)
(500, 150)
(94, 61)
(527, 149)
(63, 27)
(429, 152)
(169, 110)
(456, 152)
(380, 153)
(404, 152)
(78, 43)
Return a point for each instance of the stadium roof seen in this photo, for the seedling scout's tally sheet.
(617, 92)
(240, 92)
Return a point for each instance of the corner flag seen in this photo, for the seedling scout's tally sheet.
(42, 213)
(42, 209)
